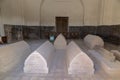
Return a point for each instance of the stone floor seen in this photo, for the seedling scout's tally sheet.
(17, 74)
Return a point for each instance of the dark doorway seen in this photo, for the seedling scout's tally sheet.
(62, 24)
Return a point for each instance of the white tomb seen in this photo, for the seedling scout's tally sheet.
(92, 41)
(13, 55)
(116, 54)
(106, 54)
(78, 61)
(109, 64)
(60, 42)
(106, 59)
(40, 60)
(35, 63)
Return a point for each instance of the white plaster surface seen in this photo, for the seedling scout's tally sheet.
(92, 41)
(107, 61)
(84, 12)
(116, 54)
(106, 54)
(60, 42)
(115, 51)
(78, 61)
(100, 74)
(39, 61)
(35, 63)
(11, 54)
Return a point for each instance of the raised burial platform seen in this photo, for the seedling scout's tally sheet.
(70, 56)
(39, 61)
(10, 55)
(109, 61)
(78, 61)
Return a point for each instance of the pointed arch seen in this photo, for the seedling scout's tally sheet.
(60, 42)
(78, 23)
(39, 61)
(78, 61)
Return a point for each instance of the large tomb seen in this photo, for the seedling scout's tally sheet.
(108, 61)
(116, 54)
(12, 55)
(78, 61)
(68, 56)
(39, 61)
(60, 42)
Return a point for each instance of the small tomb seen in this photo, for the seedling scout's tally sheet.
(92, 41)
(39, 61)
(60, 42)
(78, 61)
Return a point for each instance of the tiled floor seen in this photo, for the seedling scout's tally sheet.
(17, 74)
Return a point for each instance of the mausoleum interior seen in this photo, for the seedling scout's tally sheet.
(59, 40)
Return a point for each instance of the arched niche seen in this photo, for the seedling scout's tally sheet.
(70, 8)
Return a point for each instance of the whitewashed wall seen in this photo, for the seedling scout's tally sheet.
(12, 12)
(71, 8)
(116, 12)
(91, 15)
(32, 12)
(106, 12)
(1, 28)
(43, 12)
(110, 12)
(1, 25)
